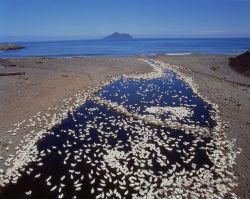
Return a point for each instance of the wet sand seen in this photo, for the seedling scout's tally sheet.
(223, 86)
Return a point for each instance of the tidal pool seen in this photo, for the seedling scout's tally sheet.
(99, 153)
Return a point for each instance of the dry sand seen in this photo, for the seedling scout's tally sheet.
(48, 81)
(222, 85)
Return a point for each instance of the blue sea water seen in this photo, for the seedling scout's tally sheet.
(70, 48)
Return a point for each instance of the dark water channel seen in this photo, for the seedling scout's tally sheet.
(98, 153)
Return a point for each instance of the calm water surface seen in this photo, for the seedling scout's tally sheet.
(130, 48)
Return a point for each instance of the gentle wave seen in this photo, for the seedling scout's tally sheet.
(172, 54)
(130, 48)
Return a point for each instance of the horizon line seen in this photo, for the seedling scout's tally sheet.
(134, 38)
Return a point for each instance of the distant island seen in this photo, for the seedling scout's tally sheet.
(118, 36)
(10, 47)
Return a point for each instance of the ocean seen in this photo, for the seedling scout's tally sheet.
(180, 46)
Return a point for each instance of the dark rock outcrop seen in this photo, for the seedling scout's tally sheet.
(241, 63)
(10, 47)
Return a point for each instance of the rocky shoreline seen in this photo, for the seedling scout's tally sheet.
(5, 47)
(241, 63)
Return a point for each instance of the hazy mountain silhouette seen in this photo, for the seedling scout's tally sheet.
(118, 36)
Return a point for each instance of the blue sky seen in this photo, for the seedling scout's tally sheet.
(78, 19)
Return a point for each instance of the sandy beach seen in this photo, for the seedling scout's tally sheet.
(47, 81)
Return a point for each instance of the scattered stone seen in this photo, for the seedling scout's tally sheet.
(12, 65)
(214, 67)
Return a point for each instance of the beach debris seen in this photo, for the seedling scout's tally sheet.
(136, 136)
(28, 193)
(12, 73)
